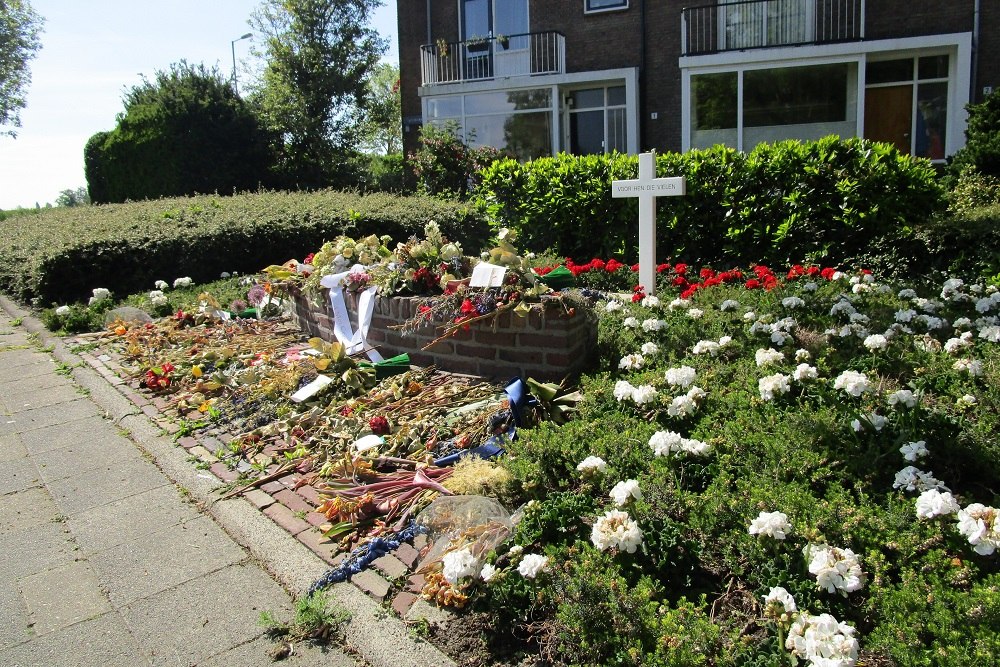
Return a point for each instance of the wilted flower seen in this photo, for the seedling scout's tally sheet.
(973, 367)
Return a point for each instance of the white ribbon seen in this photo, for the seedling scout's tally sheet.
(354, 341)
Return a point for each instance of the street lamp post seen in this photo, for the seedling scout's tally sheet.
(232, 44)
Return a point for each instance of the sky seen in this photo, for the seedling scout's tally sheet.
(95, 50)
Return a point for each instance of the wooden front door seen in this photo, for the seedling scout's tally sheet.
(889, 116)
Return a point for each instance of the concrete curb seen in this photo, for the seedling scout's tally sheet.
(379, 638)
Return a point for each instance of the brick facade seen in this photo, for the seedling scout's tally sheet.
(547, 344)
(647, 36)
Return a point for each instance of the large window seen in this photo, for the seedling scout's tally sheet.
(597, 120)
(603, 5)
(746, 107)
(517, 120)
(745, 25)
(906, 104)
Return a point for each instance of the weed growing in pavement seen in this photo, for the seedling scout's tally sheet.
(16, 322)
(316, 620)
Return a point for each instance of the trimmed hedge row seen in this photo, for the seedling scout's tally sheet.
(780, 203)
(62, 254)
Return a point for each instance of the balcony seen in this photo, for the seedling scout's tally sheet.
(735, 25)
(494, 57)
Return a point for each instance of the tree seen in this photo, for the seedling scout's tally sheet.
(982, 139)
(380, 122)
(77, 197)
(184, 132)
(19, 42)
(319, 55)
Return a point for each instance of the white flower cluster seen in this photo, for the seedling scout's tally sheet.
(835, 569)
(457, 565)
(625, 492)
(779, 602)
(981, 526)
(770, 386)
(641, 395)
(62, 311)
(771, 524)
(592, 465)
(902, 398)
(932, 503)
(664, 443)
(157, 298)
(804, 372)
(653, 325)
(612, 306)
(183, 282)
(729, 304)
(875, 421)
(876, 342)
(911, 478)
(792, 302)
(966, 401)
(649, 349)
(956, 345)
(912, 451)
(650, 301)
(853, 382)
(100, 294)
(532, 565)
(488, 572)
(616, 530)
(711, 347)
(679, 304)
(822, 640)
(161, 285)
(630, 323)
(695, 313)
(632, 362)
(990, 333)
(687, 404)
(681, 376)
(973, 367)
(768, 357)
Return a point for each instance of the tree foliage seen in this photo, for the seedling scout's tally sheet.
(184, 132)
(73, 197)
(319, 55)
(20, 26)
(380, 123)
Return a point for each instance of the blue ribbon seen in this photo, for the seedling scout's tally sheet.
(519, 397)
(362, 556)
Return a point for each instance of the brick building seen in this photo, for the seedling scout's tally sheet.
(590, 76)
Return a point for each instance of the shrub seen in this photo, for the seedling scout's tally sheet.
(830, 199)
(64, 253)
(445, 166)
(982, 139)
(182, 133)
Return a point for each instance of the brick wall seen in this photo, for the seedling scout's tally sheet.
(886, 19)
(546, 344)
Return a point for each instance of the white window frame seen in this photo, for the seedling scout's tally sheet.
(623, 4)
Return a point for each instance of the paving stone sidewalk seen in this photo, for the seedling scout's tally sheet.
(103, 559)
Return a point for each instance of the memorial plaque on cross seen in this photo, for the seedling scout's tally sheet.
(647, 188)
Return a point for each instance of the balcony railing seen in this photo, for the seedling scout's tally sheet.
(732, 25)
(494, 57)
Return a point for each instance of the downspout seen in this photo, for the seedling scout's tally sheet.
(430, 36)
(975, 51)
(642, 72)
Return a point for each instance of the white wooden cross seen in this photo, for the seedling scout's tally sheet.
(647, 188)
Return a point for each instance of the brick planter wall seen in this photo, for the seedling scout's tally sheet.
(546, 344)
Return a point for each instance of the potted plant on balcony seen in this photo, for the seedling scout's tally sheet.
(503, 41)
(442, 47)
(477, 44)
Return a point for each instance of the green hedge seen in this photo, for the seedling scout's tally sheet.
(829, 199)
(62, 254)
